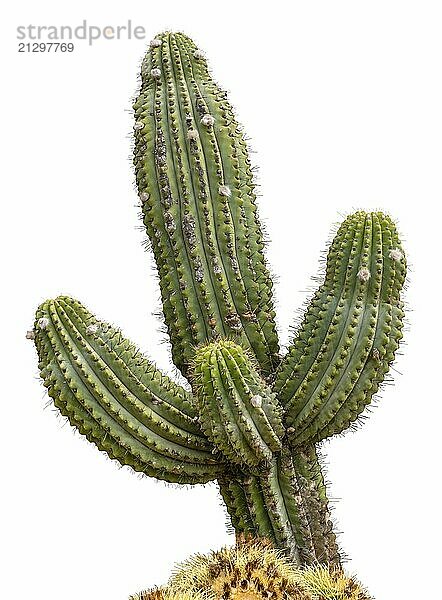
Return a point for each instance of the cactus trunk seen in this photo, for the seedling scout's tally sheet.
(286, 504)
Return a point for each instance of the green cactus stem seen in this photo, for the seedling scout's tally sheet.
(117, 398)
(286, 504)
(349, 334)
(238, 411)
(196, 189)
(254, 420)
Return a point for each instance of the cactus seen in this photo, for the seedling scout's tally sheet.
(248, 571)
(253, 419)
(165, 594)
(332, 584)
(253, 570)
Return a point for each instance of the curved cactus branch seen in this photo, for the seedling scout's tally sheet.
(196, 189)
(118, 398)
(349, 335)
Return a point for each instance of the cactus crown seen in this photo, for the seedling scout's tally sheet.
(254, 419)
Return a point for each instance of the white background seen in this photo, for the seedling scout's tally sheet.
(343, 102)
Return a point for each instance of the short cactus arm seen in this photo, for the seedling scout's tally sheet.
(238, 411)
(117, 398)
(350, 332)
(196, 189)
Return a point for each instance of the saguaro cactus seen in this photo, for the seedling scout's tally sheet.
(253, 419)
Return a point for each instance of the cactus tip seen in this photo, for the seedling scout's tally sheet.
(198, 54)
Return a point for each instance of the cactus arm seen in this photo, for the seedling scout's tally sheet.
(139, 375)
(350, 332)
(58, 389)
(248, 275)
(264, 511)
(238, 411)
(194, 190)
(161, 215)
(85, 387)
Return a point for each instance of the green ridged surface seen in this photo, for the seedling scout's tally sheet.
(351, 330)
(238, 411)
(196, 188)
(116, 397)
(253, 421)
(232, 492)
(286, 504)
(311, 485)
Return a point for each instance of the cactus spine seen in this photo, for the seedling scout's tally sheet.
(254, 420)
(254, 571)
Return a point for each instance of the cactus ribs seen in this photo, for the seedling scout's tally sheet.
(254, 419)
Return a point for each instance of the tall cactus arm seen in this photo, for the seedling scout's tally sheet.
(195, 185)
(238, 412)
(117, 398)
(350, 332)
